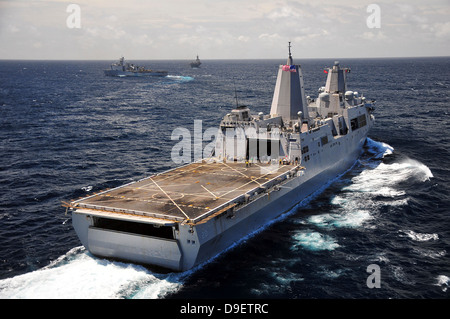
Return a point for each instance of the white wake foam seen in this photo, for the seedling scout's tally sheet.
(179, 78)
(373, 188)
(443, 281)
(379, 149)
(355, 206)
(315, 241)
(419, 236)
(350, 219)
(77, 275)
(383, 179)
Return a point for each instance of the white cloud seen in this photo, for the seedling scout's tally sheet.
(107, 32)
(142, 39)
(285, 12)
(373, 35)
(442, 30)
(267, 36)
(222, 28)
(309, 35)
(12, 29)
(243, 38)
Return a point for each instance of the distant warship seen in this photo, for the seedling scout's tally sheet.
(262, 166)
(122, 69)
(196, 63)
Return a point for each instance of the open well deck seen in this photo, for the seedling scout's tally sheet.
(190, 193)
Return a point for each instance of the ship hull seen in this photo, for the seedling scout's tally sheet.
(118, 73)
(195, 244)
(224, 232)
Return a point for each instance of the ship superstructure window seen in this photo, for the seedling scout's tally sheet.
(358, 122)
(134, 228)
(362, 120)
(331, 114)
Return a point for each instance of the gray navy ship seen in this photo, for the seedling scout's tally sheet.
(196, 63)
(125, 69)
(262, 166)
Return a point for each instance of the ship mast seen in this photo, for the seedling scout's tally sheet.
(289, 95)
(290, 61)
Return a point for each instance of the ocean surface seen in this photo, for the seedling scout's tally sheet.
(66, 131)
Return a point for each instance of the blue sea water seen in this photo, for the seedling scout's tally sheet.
(66, 131)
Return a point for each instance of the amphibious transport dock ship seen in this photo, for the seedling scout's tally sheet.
(262, 166)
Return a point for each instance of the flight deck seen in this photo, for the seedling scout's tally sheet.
(189, 193)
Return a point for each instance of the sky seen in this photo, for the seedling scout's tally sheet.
(222, 29)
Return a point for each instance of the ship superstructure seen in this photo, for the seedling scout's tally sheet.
(196, 63)
(262, 166)
(125, 69)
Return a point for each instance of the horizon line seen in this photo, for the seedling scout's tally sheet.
(229, 59)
